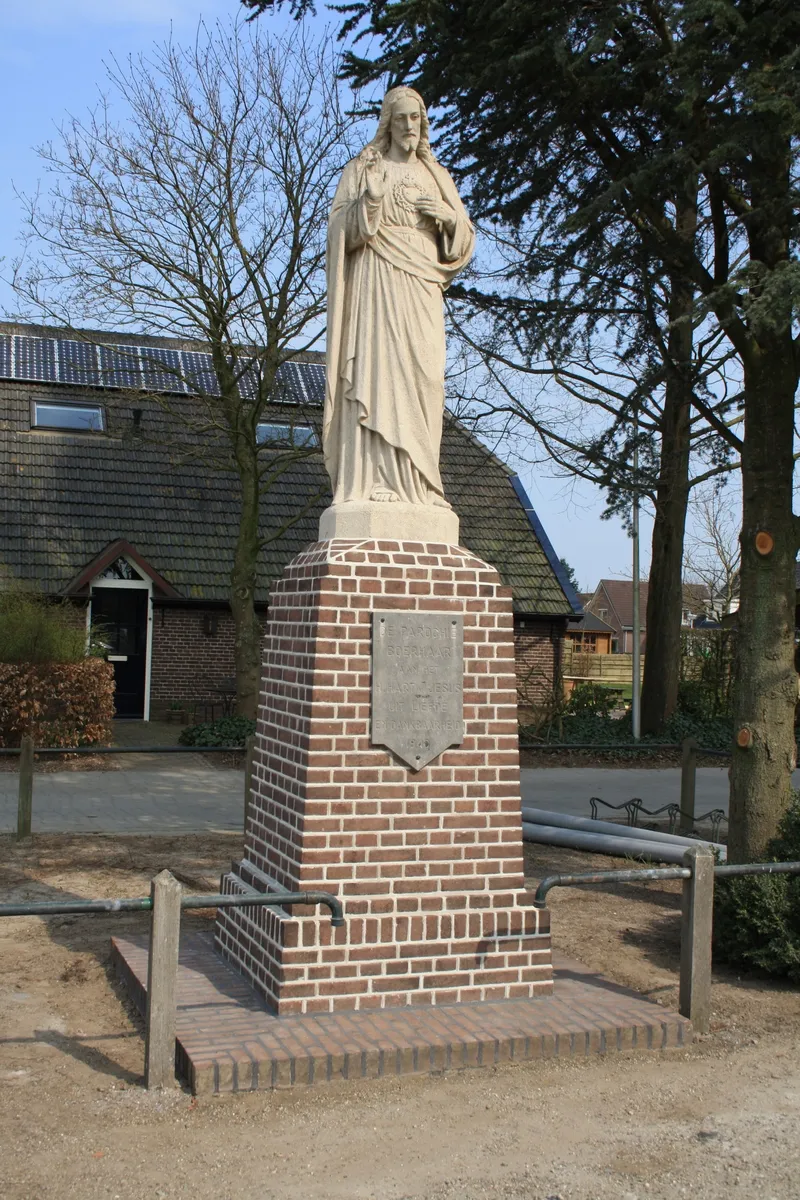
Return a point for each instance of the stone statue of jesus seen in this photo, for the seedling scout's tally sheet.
(397, 235)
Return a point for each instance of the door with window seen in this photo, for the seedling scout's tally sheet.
(119, 621)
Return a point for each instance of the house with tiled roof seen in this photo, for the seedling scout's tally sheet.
(108, 500)
(588, 634)
(612, 602)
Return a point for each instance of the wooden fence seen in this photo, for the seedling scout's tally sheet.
(613, 669)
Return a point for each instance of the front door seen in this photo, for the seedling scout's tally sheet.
(119, 619)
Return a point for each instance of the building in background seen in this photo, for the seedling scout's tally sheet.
(589, 634)
(612, 602)
(701, 609)
(108, 501)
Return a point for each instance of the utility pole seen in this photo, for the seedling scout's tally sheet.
(636, 673)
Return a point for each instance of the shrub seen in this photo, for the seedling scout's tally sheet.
(696, 699)
(707, 662)
(715, 733)
(591, 699)
(227, 731)
(32, 630)
(757, 917)
(57, 704)
(590, 728)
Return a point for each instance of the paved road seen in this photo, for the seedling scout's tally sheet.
(166, 797)
(568, 789)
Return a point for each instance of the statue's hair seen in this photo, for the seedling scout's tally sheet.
(383, 136)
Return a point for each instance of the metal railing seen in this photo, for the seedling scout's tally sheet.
(51, 908)
(697, 908)
(126, 749)
(165, 902)
(640, 746)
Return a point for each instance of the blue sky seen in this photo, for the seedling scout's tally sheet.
(51, 64)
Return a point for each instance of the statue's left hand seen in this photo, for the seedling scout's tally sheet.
(438, 210)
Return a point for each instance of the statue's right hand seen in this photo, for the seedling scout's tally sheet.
(375, 176)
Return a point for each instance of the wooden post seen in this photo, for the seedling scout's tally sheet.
(249, 755)
(162, 982)
(25, 802)
(696, 925)
(688, 784)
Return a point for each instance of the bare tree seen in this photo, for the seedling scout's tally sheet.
(201, 214)
(713, 550)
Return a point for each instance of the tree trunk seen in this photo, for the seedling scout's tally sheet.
(662, 661)
(241, 423)
(765, 694)
(665, 593)
(247, 627)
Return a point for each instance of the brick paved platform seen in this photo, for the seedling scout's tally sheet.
(228, 1041)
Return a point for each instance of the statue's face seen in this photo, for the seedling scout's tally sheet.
(406, 123)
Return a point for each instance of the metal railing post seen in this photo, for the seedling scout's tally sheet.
(697, 915)
(162, 982)
(688, 784)
(25, 801)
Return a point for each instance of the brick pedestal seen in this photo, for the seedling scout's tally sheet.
(428, 863)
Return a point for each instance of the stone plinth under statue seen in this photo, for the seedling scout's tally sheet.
(428, 863)
(366, 521)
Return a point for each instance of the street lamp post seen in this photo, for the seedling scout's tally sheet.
(636, 673)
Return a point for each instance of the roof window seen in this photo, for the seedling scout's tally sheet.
(120, 569)
(294, 437)
(83, 418)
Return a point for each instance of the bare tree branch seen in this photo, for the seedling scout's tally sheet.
(202, 216)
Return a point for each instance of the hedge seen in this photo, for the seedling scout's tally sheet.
(57, 704)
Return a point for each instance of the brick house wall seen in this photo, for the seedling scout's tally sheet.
(188, 663)
(538, 646)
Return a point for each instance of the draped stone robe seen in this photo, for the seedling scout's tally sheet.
(387, 267)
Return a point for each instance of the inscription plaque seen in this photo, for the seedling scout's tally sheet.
(417, 684)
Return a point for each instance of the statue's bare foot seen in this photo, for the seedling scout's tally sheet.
(383, 495)
(440, 502)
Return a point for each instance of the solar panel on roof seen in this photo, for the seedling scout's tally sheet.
(289, 385)
(6, 367)
(313, 375)
(199, 373)
(120, 366)
(162, 370)
(148, 368)
(35, 358)
(77, 363)
(249, 374)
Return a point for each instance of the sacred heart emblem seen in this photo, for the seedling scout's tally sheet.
(407, 190)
